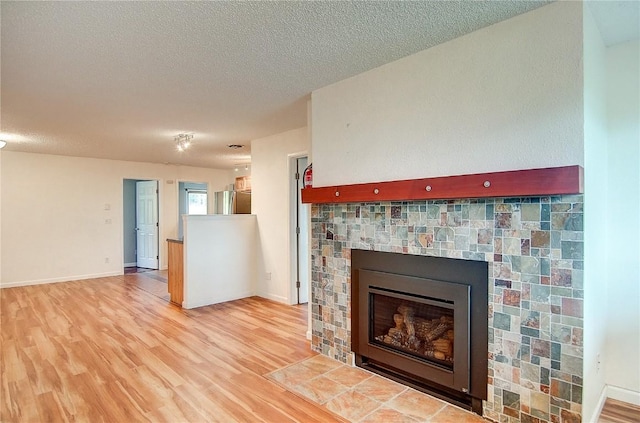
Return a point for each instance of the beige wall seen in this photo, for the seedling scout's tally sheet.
(505, 97)
(54, 219)
(271, 203)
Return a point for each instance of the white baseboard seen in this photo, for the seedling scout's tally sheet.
(201, 302)
(622, 394)
(277, 298)
(61, 279)
(134, 264)
(598, 410)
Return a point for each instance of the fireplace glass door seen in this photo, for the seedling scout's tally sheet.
(419, 327)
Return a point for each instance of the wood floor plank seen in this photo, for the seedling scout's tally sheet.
(615, 411)
(113, 350)
(48, 408)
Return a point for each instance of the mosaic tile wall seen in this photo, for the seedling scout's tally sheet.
(535, 249)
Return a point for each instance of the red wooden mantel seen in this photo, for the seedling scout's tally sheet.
(515, 183)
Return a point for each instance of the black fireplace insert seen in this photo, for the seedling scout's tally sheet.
(422, 321)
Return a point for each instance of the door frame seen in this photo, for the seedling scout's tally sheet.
(292, 163)
(161, 245)
(210, 205)
(144, 191)
(305, 226)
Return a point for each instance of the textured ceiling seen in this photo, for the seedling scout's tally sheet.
(119, 80)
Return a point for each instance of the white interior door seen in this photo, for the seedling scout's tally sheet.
(147, 224)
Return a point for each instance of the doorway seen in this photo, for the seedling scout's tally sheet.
(140, 224)
(299, 232)
(193, 198)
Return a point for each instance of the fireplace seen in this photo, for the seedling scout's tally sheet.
(533, 248)
(422, 321)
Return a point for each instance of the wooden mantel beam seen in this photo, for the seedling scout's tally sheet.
(516, 183)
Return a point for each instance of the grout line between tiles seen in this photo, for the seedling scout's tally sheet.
(372, 411)
(353, 389)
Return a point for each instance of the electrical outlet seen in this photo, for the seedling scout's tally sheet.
(267, 276)
(106, 260)
(598, 362)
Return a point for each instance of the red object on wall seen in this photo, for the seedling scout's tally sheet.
(308, 176)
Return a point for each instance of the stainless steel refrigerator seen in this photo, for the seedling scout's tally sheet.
(232, 202)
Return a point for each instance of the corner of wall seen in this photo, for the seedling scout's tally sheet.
(270, 203)
(623, 191)
(596, 211)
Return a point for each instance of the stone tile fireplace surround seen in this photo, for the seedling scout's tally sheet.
(534, 247)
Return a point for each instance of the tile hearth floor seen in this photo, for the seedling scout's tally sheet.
(364, 397)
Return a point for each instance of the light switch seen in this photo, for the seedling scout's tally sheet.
(107, 206)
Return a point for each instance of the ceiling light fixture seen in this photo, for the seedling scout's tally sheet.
(2, 144)
(183, 141)
(235, 146)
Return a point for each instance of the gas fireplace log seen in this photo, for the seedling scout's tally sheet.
(424, 329)
(399, 320)
(427, 330)
(443, 345)
(408, 319)
(431, 337)
(435, 354)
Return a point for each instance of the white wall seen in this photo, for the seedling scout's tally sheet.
(0, 216)
(596, 211)
(53, 214)
(622, 225)
(504, 97)
(271, 204)
(219, 258)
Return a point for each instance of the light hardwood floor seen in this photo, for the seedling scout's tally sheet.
(105, 350)
(114, 350)
(615, 411)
